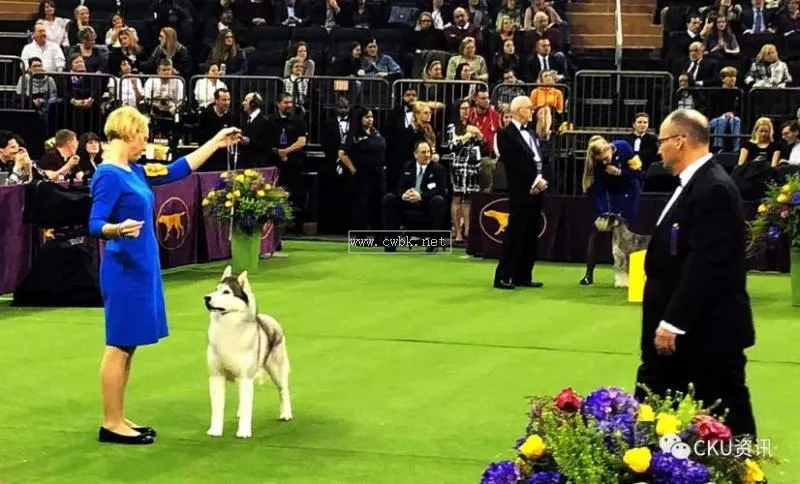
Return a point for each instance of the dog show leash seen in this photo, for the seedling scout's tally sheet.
(233, 151)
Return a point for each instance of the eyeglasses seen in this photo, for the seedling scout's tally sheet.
(661, 141)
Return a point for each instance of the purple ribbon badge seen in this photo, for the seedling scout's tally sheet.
(673, 239)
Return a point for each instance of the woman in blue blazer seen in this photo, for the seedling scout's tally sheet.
(130, 272)
(612, 179)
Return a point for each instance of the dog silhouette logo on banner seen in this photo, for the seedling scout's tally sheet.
(494, 220)
(173, 223)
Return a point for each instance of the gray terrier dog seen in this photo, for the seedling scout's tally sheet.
(623, 243)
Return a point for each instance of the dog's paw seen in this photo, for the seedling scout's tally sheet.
(244, 433)
(285, 417)
(214, 432)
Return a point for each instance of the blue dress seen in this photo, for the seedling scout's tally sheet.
(617, 194)
(130, 271)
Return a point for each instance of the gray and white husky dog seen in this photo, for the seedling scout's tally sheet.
(243, 346)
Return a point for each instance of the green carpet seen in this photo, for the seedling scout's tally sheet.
(405, 369)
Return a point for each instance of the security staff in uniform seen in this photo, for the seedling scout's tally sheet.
(364, 154)
(287, 134)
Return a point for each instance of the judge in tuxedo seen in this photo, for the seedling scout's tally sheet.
(519, 148)
(421, 190)
(253, 150)
(696, 316)
(644, 144)
(700, 68)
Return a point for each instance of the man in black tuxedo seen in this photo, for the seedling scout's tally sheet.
(253, 151)
(519, 149)
(420, 190)
(643, 143)
(696, 317)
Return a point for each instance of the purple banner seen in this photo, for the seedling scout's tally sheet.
(176, 218)
(15, 239)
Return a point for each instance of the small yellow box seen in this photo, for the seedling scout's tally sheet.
(636, 276)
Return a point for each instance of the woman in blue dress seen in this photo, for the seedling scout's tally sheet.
(612, 178)
(130, 273)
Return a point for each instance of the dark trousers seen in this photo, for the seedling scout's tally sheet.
(290, 177)
(714, 377)
(368, 186)
(520, 242)
(397, 211)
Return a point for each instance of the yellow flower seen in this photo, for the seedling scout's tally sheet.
(249, 172)
(267, 186)
(783, 198)
(211, 194)
(239, 178)
(667, 424)
(237, 193)
(638, 459)
(229, 204)
(786, 189)
(229, 196)
(533, 447)
(261, 193)
(635, 163)
(753, 472)
(763, 208)
(224, 175)
(646, 414)
(206, 202)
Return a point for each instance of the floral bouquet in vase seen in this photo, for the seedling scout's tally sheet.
(779, 218)
(607, 437)
(247, 201)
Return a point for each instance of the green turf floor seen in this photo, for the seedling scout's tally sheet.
(406, 369)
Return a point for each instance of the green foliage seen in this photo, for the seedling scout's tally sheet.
(778, 216)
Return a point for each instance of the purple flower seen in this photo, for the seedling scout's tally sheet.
(606, 402)
(554, 477)
(666, 469)
(280, 214)
(248, 224)
(774, 233)
(505, 472)
(796, 199)
(220, 184)
(621, 424)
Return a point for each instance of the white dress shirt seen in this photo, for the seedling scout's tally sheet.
(51, 54)
(685, 176)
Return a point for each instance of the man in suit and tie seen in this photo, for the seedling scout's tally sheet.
(522, 158)
(701, 69)
(544, 60)
(696, 317)
(253, 149)
(644, 144)
(757, 19)
(420, 190)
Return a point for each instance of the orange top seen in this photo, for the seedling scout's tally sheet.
(548, 96)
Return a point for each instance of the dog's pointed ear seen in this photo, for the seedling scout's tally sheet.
(244, 281)
(227, 272)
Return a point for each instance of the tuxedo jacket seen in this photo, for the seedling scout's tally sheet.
(255, 154)
(521, 169)
(648, 149)
(695, 267)
(434, 180)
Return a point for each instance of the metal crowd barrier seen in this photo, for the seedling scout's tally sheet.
(504, 93)
(11, 70)
(78, 102)
(239, 87)
(775, 103)
(611, 99)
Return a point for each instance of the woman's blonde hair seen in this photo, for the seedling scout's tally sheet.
(126, 123)
(766, 48)
(425, 75)
(172, 45)
(596, 146)
(134, 48)
(418, 27)
(426, 129)
(464, 43)
(759, 123)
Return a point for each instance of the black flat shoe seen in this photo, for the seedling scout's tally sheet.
(146, 431)
(587, 281)
(110, 437)
(533, 284)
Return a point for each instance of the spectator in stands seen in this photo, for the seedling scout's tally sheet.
(510, 88)
(507, 30)
(790, 153)
(118, 25)
(128, 49)
(90, 153)
(461, 28)
(227, 54)
(465, 142)
(761, 145)
(700, 69)
(300, 53)
(349, 65)
(131, 92)
(79, 22)
(424, 36)
(464, 91)
(296, 84)
(543, 29)
(538, 6)
(544, 60)
(788, 21)
(254, 148)
(512, 10)
(432, 91)
(287, 135)
(292, 12)
(468, 55)
(478, 12)
(421, 191)
(205, 91)
(721, 41)
(214, 118)
(84, 94)
(14, 159)
(226, 21)
(724, 105)
(687, 97)
(644, 144)
(331, 14)
(499, 180)
(721, 8)
(548, 104)
(49, 53)
(169, 48)
(422, 129)
(375, 63)
(253, 12)
(768, 70)
(484, 116)
(504, 60)
(757, 19)
(365, 151)
(37, 89)
(94, 57)
(62, 162)
(682, 41)
(56, 27)
(440, 14)
(165, 92)
(360, 16)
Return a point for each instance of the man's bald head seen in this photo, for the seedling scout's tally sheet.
(691, 124)
(522, 109)
(683, 139)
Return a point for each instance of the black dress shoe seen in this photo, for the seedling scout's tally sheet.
(110, 437)
(501, 284)
(587, 281)
(533, 284)
(146, 431)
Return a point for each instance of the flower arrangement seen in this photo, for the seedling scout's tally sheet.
(608, 437)
(778, 214)
(248, 201)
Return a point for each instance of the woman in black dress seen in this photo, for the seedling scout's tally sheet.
(90, 152)
(761, 145)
